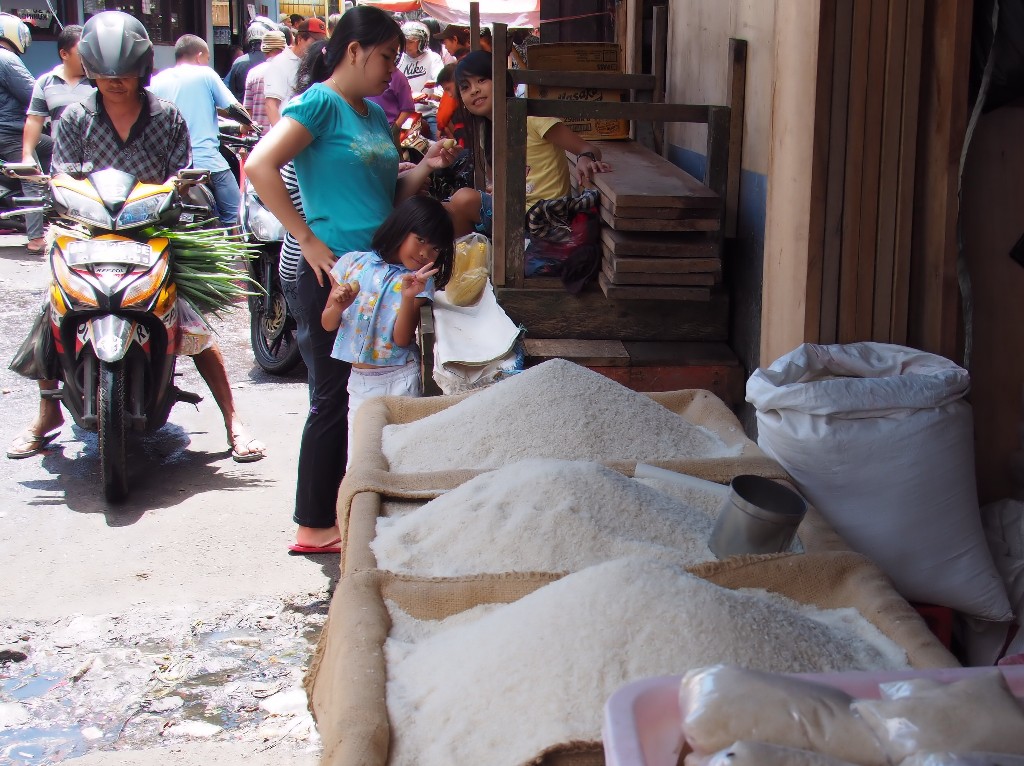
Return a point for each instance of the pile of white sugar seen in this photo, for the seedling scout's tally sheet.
(536, 673)
(557, 409)
(541, 515)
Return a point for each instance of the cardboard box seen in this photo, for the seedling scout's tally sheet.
(581, 57)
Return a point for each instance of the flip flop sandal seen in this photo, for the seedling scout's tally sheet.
(251, 454)
(29, 444)
(332, 547)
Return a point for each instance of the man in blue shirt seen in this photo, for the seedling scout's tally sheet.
(197, 91)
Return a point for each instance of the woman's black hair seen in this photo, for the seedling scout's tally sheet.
(364, 24)
(435, 29)
(477, 64)
(427, 218)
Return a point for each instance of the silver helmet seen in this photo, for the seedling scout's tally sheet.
(115, 44)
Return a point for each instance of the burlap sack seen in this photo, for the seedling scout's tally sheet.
(369, 471)
(346, 680)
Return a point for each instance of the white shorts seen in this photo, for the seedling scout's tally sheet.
(196, 334)
(366, 383)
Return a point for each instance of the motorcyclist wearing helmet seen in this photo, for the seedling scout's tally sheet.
(16, 84)
(421, 66)
(124, 126)
(235, 78)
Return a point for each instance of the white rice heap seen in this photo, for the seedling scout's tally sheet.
(541, 515)
(557, 409)
(537, 672)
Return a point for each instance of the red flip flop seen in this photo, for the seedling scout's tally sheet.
(332, 547)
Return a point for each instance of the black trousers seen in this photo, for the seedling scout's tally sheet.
(323, 450)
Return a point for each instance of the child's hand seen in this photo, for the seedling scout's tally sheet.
(343, 294)
(415, 283)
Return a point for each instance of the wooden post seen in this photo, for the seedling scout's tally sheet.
(660, 62)
(474, 25)
(500, 168)
(736, 102)
(934, 294)
(510, 231)
(788, 232)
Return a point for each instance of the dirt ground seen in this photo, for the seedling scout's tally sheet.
(173, 628)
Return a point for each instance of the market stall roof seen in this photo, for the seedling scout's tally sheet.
(514, 13)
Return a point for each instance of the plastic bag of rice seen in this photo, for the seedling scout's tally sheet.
(541, 515)
(536, 673)
(557, 409)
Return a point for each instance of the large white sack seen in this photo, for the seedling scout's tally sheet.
(879, 439)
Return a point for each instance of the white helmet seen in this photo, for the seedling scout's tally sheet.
(414, 30)
(16, 32)
(258, 28)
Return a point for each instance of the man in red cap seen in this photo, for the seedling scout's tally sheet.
(279, 77)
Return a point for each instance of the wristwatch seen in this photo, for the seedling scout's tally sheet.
(591, 155)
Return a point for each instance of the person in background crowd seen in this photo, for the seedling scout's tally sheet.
(396, 102)
(296, 19)
(449, 122)
(54, 91)
(235, 78)
(198, 93)
(455, 39)
(547, 141)
(421, 66)
(124, 126)
(332, 133)
(234, 52)
(16, 86)
(279, 77)
(332, 22)
(485, 39)
(434, 27)
(255, 100)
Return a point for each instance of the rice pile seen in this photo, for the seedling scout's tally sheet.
(557, 409)
(537, 672)
(541, 515)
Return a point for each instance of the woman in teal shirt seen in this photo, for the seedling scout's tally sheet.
(347, 167)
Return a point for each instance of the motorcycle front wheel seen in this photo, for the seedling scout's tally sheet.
(272, 333)
(111, 410)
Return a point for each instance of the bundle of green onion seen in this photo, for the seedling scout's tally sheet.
(204, 266)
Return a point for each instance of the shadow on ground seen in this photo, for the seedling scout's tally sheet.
(163, 472)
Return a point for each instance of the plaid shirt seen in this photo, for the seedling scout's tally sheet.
(254, 99)
(157, 146)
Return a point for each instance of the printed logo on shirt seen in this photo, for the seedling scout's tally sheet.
(414, 69)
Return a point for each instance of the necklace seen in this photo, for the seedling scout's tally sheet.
(361, 112)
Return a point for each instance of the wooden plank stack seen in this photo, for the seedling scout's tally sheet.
(660, 228)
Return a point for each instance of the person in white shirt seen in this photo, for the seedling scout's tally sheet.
(421, 66)
(279, 76)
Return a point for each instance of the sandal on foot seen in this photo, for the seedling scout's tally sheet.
(245, 449)
(36, 250)
(29, 444)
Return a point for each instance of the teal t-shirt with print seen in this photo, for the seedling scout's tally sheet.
(347, 175)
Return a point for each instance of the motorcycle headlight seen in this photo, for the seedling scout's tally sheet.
(142, 212)
(262, 223)
(85, 210)
(143, 288)
(72, 284)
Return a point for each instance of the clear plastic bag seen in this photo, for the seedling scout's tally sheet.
(763, 754)
(724, 704)
(470, 270)
(978, 713)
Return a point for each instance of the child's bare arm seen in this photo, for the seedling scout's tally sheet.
(342, 296)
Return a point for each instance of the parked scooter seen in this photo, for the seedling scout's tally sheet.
(112, 305)
(271, 326)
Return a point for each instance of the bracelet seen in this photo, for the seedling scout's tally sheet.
(591, 155)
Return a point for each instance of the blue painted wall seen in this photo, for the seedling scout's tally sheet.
(41, 57)
(742, 262)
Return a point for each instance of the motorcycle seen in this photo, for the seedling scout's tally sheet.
(271, 326)
(112, 307)
(11, 200)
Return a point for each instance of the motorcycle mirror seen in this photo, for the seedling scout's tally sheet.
(238, 114)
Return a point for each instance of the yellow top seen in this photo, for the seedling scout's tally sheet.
(547, 169)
